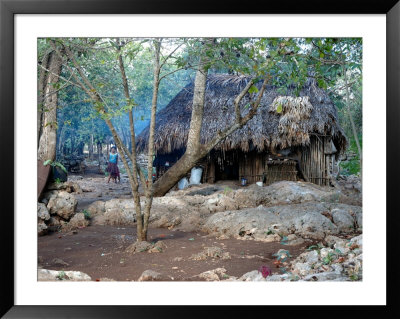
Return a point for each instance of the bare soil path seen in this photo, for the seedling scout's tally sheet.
(99, 251)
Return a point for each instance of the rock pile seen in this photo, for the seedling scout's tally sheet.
(336, 260)
(57, 209)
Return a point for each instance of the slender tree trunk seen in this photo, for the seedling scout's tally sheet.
(353, 126)
(149, 183)
(91, 147)
(61, 142)
(99, 153)
(134, 183)
(48, 123)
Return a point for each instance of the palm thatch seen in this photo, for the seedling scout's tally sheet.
(282, 120)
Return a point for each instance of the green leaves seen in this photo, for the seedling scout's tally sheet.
(253, 89)
(279, 108)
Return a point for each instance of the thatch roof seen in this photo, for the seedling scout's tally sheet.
(272, 127)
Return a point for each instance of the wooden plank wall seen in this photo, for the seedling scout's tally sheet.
(314, 163)
(252, 166)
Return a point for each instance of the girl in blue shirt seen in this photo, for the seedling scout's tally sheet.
(113, 165)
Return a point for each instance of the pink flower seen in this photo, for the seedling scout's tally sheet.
(265, 271)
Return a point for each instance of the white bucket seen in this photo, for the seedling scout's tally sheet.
(183, 183)
(195, 175)
(259, 183)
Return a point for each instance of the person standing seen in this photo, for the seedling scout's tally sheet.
(112, 167)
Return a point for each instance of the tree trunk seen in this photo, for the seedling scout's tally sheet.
(353, 126)
(149, 182)
(48, 123)
(99, 153)
(61, 142)
(90, 147)
(193, 150)
(196, 120)
(43, 77)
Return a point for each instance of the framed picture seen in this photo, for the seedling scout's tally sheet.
(306, 118)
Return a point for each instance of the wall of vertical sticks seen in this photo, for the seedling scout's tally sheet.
(317, 160)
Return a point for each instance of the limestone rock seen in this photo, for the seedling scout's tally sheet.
(151, 275)
(55, 275)
(96, 208)
(343, 219)
(42, 212)
(78, 221)
(139, 246)
(41, 227)
(254, 275)
(214, 275)
(61, 203)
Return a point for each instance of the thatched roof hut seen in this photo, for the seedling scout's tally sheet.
(302, 128)
(262, 132)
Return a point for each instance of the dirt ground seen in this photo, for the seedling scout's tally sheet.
(99, 251)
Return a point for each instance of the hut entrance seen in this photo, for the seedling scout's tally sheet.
(227, 171)
(226, 166)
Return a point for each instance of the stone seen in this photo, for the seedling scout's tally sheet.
(61, 203)
(294, 240)
(301, 269)
(41, 227)
(343, 219)
(213, 275)
(55, 221)
(55, 275)
(69, 186)
(312, 257)
(268, 238)
(72, 187)
(284, 192)
(42, 212)
(78, 221)
(337, 268)
(283, 277)
(306, 220)
(59, 262)
(158, 247)
(324, 252)
(211, 252)
(115, 217)
(254, 275)
(151, 275)
(139, 246)
(96, 208)
(325, 276)
(357, 241)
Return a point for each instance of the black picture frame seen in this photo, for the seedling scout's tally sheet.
(8, 8)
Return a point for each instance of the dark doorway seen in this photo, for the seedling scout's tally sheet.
(227, 170)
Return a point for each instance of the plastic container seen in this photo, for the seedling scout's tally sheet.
(195, 175)
(259, 183)
(183, 183)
